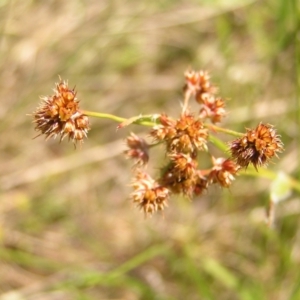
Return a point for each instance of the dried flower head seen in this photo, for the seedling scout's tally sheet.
(198, 85)
(186, 135)
(223, 171)
(59, 115)
(184, 164)
(138, 149)
(148, 194)
(257, 146)
(201, 183)
(213, 108)
(177, 180)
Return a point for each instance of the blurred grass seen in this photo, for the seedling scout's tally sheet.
(67, 229)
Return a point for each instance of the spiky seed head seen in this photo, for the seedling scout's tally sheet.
(60, 115)
(198, 85)
(185, 135)
(138, 149)
(148, 194)
(258, 146)
(223, 171)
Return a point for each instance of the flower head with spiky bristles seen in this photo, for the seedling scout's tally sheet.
(223, 171)
(257, 146)
(138, 149)
(198, 85)
(179, 179)
(185, 135)
(59, 115)
(148, 194)
(201, 183)
(213, 108)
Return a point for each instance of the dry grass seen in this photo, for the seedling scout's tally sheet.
(67, 229)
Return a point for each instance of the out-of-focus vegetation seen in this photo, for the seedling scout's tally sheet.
(68, 230)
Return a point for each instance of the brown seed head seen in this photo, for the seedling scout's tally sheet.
(198, 85)
(223, 171)
(59, 115)
(213, 108)
(201, 183)
(148, 194)
(186, 135)
(184, 164)
(138, 149)
(257, 146)
(166, 130)
(177, 180)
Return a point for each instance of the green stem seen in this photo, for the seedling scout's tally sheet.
(220, 129)
(155, 144)
(103, 116)
(262, 173)
(218, 143)
(147, 120)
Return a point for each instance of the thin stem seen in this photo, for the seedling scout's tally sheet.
(103, 116)
(220, 129)
(187, 96)
(155, 144)
(218, 143)
(262, 173)
(148, 120)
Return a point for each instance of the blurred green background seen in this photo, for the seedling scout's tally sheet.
(67, 227)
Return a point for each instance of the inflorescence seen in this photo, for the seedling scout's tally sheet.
(182, 138)
(59, 115)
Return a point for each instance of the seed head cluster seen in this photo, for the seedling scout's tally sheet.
(183, 139)
(59, 115)
(199, 86)
(138, 149)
